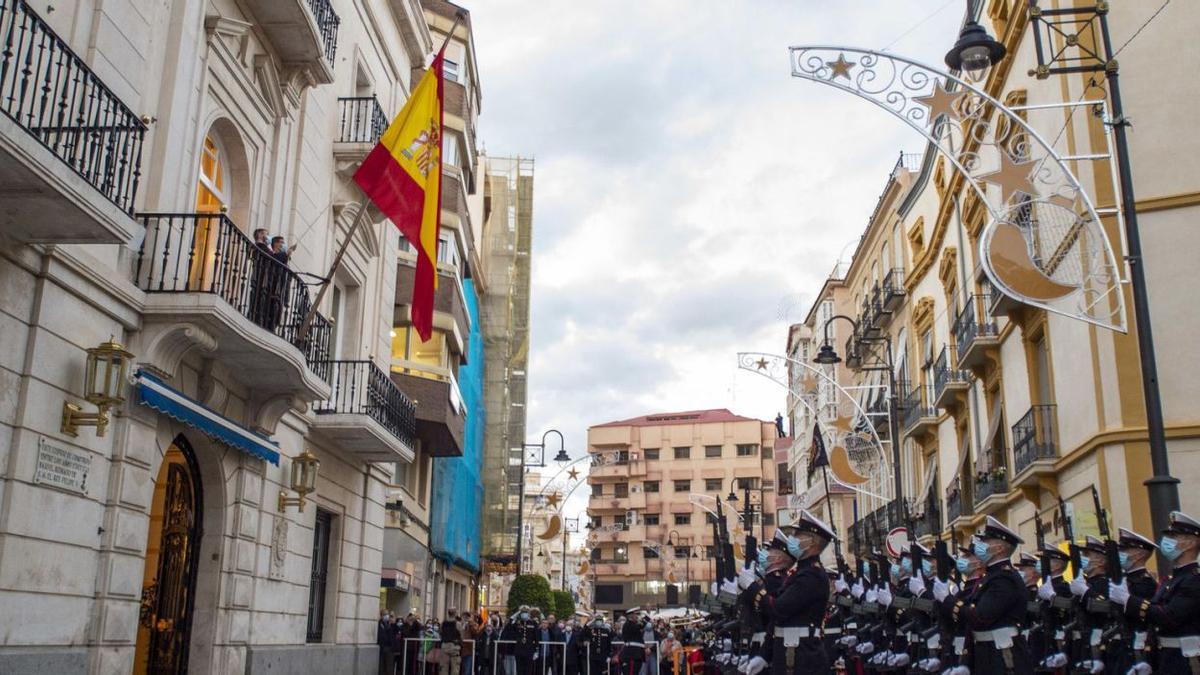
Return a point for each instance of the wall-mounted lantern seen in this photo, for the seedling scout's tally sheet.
(303, 481)
(103, 384)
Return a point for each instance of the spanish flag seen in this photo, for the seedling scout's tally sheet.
(403, 177)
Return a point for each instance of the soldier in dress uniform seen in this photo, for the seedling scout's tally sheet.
(595, 644)
(1090, 590)
(1174, 609)
(774, 561)
(1135, 550)
(633, 652)
(526, 637)
(1029, 567)
(956, 648)
(995, 611)
(1057, 611)
(797, 610)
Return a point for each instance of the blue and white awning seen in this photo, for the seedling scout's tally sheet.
(176, 404)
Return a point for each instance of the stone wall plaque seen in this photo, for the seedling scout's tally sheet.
(279, 535)
(61, 467)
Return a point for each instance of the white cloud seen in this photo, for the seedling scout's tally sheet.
(687, 189)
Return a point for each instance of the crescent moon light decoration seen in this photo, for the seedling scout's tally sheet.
(1045, 244)
(851, 430)
(552, 528)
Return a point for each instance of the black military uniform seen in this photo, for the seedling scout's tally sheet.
(754, 625)
(1036, 632)
(995, 612)
(633, 652)
(1174, 610)
(526, 637)
(1135, 645)
(797, 611)
(595, 646)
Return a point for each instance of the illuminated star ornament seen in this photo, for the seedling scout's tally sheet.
(942, 102)
(552, 500)
(808, 384)
(573, 473)
(1012, 177)
(842, 423)
(840, 68)
(761, 364)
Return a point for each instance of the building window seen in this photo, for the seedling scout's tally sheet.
(451, 70)
(597, 522)
(622, 457)
(619, 521)
(649, 553)
(711, 451)
(319, 575)
(650, 519)
(712, 484)
(598, 490)
(651, 454)
(682, 552)
(621, 490)
(411, 356)
(683, 486)
(747, 483)
(709, 518)
(683, 519)
(650, 486)
(710, 552)
(767, 452)
(768, 519)
(621, 554)
(747, 450)
(210, 190)
(683, 453)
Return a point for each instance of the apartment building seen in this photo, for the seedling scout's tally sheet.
(1003, 408)
(655, 481)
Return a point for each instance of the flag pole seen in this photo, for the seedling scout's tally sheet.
(306, 324)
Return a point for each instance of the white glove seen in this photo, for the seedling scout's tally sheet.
(865, 648)
(1119, 592)
(1079, 587)
(848, 641)
(729, 586)
(930, 665)
(839, 584)
(916, 586)
(899, 660)
(756, 665)
(746, 577)
(1055, 660)
(1092, 666)
(857, 589)
(960, 670)
(1046, 591)
(1140, 668)
(872, 595)
(941, 591)
(712, 590)
(885, 597)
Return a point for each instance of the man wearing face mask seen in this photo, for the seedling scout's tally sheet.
(1029, 568)
(1174, 609)
(797, 610)
(775, 560)
(633, 652)
(955, 651)
(526, 638)
(1091, 650)
(994, 613)
(1134, 551)
(595, 644)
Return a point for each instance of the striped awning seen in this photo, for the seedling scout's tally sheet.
(177, 405)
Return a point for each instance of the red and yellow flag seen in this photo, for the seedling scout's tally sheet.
(403, 177)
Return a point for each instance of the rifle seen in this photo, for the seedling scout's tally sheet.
(1069, 532)
(1043, 559)
(1112, 553)
(942, 562)
(747, 522)
(914, 552)
(726, 564)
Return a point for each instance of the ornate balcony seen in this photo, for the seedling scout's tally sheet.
(958, 510)
(1035, 443)
(975, 331)
(59, 115)
(367, 415)
(948, 379)
(360, 124)
(303, 32)
(919, 413)
(991, 489)
(892, 291)
(209, 286)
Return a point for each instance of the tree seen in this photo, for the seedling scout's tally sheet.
(564, 604)
(532, 590)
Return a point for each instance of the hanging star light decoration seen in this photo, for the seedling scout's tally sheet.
(942, 102)
(1012, 177)
(843, 422)
(808, 384)
(552, 500)
(761, 364)
(573, 473)
(840, 68)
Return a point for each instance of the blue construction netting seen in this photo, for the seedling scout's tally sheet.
(457, 481)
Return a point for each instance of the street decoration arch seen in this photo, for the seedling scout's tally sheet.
(1044, 244)
(850, 438)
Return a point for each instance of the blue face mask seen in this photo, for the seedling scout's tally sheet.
(1124, 558)
(906, 565)
(895, 570)
(1084, 564)
(762, 558)
(793, 546)
(1169, 547)
(981, 550)
(866, 567)
(927, 566)
(962, 564)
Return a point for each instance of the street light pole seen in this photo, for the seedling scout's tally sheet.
(540, 462)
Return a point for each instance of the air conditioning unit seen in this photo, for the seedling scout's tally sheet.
(631, 518)
(633, 456)
(634, 489)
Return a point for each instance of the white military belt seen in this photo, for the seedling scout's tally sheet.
(760, 636)
(836, 630)
(1175, 642)
(787, 632)
(993, 635)
(634, 644)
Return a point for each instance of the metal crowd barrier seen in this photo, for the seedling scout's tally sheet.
(541, 664)
(420, 655)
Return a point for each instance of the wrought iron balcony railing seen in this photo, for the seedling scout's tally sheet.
(954, 506)
(327, 25)
(918, 405)
(946, 372)
(893, 287)
(363, 120)
(973, 322)
(51, 93)
(363, 388)
(207, 253)
(993, 483)
(1035, 436)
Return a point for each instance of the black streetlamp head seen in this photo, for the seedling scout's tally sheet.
(975, 50)
(562, 456)
(732, 496)
(827, 356)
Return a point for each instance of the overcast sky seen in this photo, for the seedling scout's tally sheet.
(690, 195)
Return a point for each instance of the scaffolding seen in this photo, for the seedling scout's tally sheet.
(507, 240)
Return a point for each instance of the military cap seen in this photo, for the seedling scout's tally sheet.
(1181, 523)
(1055, 552)
(1026, 560)
(1093, 544)
(633, 610)
(1130, 539)
(779, 542)
(994, 529)
(807, 522)
(966, 549)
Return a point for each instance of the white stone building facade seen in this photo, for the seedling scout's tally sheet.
(144, 143)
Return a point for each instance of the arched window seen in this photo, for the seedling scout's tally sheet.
(211, 189)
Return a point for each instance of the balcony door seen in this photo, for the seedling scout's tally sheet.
(212, 199)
